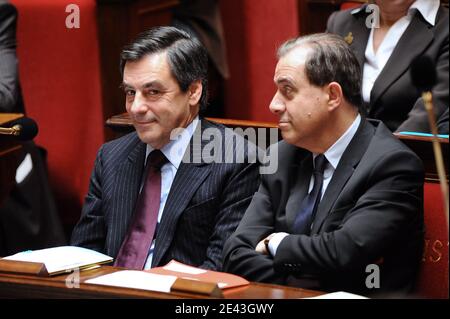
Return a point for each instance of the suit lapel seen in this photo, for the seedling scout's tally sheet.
(187, 180)
(414, 41)
(128, 173)
(343, 172)
(300, 189)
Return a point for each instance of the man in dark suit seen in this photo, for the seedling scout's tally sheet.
(407, 29)
(201, 190)
(357, 208)
(28, 217)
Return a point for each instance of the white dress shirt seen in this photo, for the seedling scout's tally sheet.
(375, 61)
(333, 156)
(174, 152)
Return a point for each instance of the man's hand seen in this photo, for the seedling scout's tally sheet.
(262, 246)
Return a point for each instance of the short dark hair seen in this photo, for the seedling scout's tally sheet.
(187, 57)
(330, 60)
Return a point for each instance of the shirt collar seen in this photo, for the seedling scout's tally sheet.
(175, 149)
(427, 8)
(334, 153)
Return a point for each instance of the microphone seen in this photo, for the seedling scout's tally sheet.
(423, 75)
(23, 129)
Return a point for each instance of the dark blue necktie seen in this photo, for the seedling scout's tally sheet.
(308, 207)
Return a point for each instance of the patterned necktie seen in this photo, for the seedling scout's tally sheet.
(308, 207)
(134, 250)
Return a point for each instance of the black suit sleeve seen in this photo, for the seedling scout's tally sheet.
(387, 207)
(239, 252)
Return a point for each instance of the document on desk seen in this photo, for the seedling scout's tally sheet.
(62, 259)
(135, 279)
(338, 295)
(180, 270)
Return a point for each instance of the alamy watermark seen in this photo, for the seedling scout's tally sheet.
(373, 19)
(73, 18)
(373, 279)
(214, 145)
(73, 280)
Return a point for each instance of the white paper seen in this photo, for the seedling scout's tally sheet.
(24, 169)
(61, 258)
(174, 266)
(338, 295)
(135, 279)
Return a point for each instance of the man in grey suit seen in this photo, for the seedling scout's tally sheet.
(200, 197)
(28, 217)
(344, 210)
(407, 29)
(10, 99)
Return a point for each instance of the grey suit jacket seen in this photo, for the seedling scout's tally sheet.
(10, 99)
(394, 99)
(371, 212)
(205, 204)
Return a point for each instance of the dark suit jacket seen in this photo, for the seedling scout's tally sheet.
(372, 211)
(394, 99)
(205, 204)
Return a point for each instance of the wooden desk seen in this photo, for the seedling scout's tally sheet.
(21, 286)
(8, 117)
(122, 123)
(423, 147)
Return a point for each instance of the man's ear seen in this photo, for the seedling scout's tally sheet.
(195, 92)
(335, 95)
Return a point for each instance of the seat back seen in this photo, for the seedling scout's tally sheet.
(433, 276)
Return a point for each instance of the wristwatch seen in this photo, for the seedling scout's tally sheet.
(266, 243)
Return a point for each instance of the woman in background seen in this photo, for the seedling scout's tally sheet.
(407, 29)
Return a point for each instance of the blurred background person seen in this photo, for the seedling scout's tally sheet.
(202, 20)
(28, 217)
